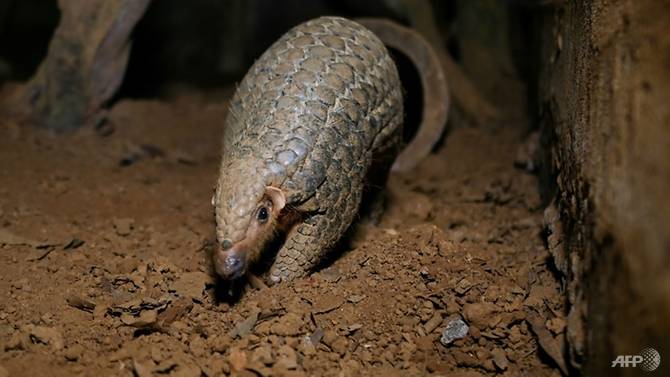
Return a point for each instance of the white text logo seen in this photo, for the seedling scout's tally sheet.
(649, 359)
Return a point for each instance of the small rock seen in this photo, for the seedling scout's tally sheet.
(465, 359)
(81, 303)
(456, 329)
(244, 328)
(355, 299)
(316, 336)
(119, 355)
(556, 325)
(327, 303)
(124, 226)
(47, 318)
(288, 325)
(147, 318)
(340, 345)
(237, 359)
(463, 286)
(73, 352)
(217, 366)
(499, 358)
(263, 355)
(464, 373)
(197, 345)
(175, 312)
(142, 370)
(290, 373)
(306, 346)
(350, 368)
(21, 284)
(424, 343)
(329, 337)
(188, 370)
(433, 322)
(45, 335)
(552, 346)
(286, 358)
(17, 342)
(192, 284)
(219, 343)
(157, 354)
(390, 231)
(418, 205)
(479, 313)
(165, 366)
(178, 326)
(353, 328)
(537, 295)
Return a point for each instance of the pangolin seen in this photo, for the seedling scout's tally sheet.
(303, 129)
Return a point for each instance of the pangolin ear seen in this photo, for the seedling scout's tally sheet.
(277, 196)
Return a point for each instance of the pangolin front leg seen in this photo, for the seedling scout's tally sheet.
(313, 237)
(304, 246)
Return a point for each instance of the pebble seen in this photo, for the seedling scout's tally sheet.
(73, 352)
(21, 284)
(47, 318)
(192, 284)
(217, 365)
(286, 358)
(197, 345)
(479, 314)
(432, 323)
(514, 335)
(145, 319)
(45, 335)
(306, 346)
(16, 342)
(263, 355)
(329, 337)
(418, 205)
(556, 325)
(499, 358)
(124, 226)
(340, 345)
(288, 325)
(141, 369)
(456, 329)
(237, 359)
(189, 370)
(157, 354)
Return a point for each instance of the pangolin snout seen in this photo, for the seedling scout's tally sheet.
(231, 263)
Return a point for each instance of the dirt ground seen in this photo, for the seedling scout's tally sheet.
(105, 268)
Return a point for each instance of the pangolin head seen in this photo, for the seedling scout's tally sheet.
(246, 207)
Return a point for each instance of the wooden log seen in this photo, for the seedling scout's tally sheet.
(85, 63)
(465, 93)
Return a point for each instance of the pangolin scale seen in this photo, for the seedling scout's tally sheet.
(306, 121)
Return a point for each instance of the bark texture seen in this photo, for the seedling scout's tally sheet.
(603, 95)
(85, 63)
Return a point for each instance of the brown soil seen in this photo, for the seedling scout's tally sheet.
(105, 267)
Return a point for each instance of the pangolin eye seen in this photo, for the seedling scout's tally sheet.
(226, 244)
(262, 215)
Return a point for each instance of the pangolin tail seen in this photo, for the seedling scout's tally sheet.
(433, 81)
